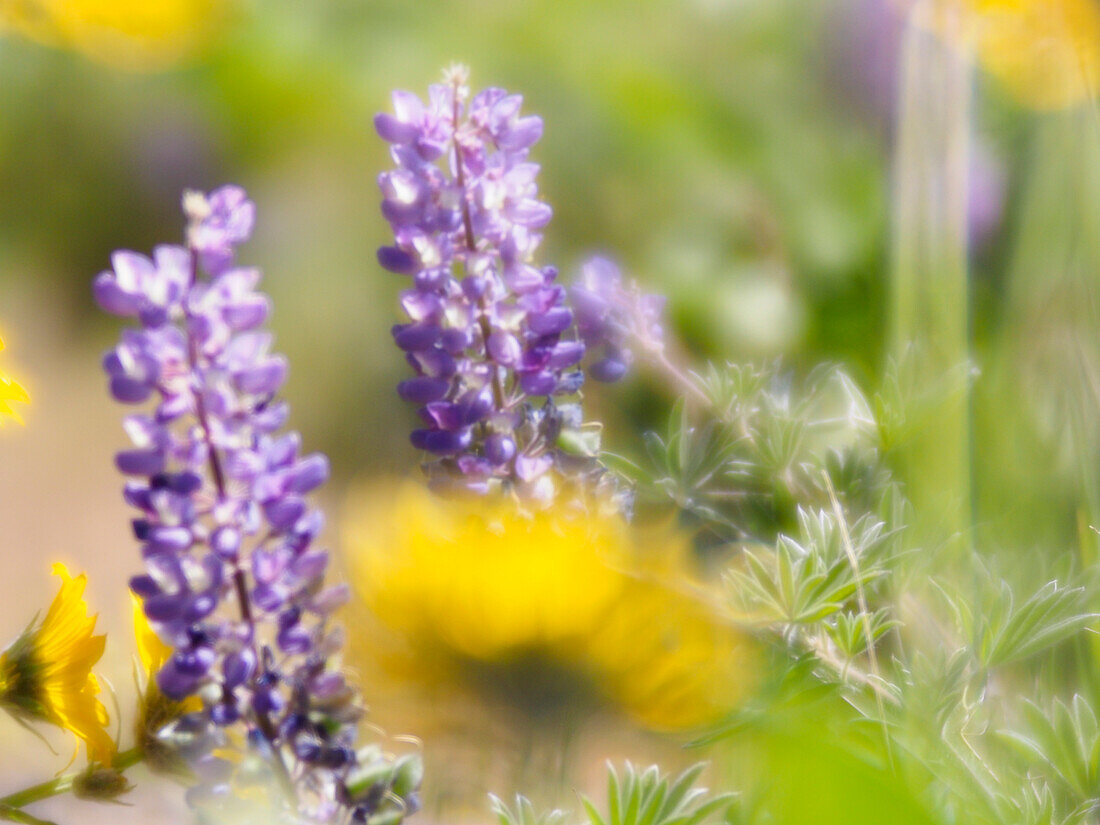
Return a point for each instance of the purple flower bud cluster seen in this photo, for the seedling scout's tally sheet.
(490, 337)
(614, 319)
(232, 581)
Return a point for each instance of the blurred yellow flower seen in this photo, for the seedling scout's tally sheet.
(10, 391)
(46, 674)
(156, 710)
(479, 577)
(483, 581)
(670, 660)
(131, 34)
(1046, 53)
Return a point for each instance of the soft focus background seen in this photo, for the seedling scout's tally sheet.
(770, 165)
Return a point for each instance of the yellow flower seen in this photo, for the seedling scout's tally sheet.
(1046, 53)
(156, 710)
(46, 674)
(482, 581)
(152, 652)
(133, 34)
(10, 391)
(670, 659)
(478, 576)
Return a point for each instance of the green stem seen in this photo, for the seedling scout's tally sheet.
(63, 784)
(929, 280)
(21, 816)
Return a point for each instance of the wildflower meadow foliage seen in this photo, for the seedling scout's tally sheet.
(752, 579)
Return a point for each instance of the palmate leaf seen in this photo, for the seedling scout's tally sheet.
(848, 630)
(805, 581)
(1062, 743)
(634, 798)
(650, 798)
(1003, 632)
(1051, 615)
(523, 813)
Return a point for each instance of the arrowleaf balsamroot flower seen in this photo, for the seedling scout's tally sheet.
(10, 391)
(490, 336)
(233, 584)
(156, 711)
(122, 33)
(473, 585)
(46, 674)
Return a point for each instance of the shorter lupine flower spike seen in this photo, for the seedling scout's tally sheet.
(234, 586)
(46, 674)
(616, 320)
(489, 337)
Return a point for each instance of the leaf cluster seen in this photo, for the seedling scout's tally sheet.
(742, 466)
(646, 797)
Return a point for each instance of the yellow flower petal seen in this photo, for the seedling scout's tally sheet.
(66, 649)
(1045, 53)
(10, 390)
(482, 581)
(135, 34)
(480, 576)
(152, 652)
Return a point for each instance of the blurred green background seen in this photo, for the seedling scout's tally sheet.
(740, 156)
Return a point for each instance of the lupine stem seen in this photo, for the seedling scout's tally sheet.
(63, 784)
(681, 378)
(239, 581)
(471, 244)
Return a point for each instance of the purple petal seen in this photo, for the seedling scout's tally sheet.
(112, 298)
(423, 389)
(539, 383)
(499, 448)
(415, 337)
(129, 390)
(308, 474)
(608, 370)
(441, 442)
(392, 130)
(140, 462)
(565, 354)
(550, 322)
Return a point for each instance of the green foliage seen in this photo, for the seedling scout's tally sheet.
(908, 681)
(742, 467)
(1001, 632)
(1061, 743)
(645, 797)
(848, 630)
(524, 813)
(652, 798)
(805, 582)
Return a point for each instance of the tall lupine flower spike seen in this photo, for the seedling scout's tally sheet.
(233, 582)
(616, 320)
(489, 337)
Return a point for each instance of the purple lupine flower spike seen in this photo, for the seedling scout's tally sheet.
(490, 337)
(615, 320)
(232, 581)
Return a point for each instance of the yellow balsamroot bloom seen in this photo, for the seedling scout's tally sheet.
(481, 580)
(156, 710)
(10, 391)
(479, 576)
(152, 652)
(1046, 53)
(46, 674)
(132, 34)
(670, 659)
